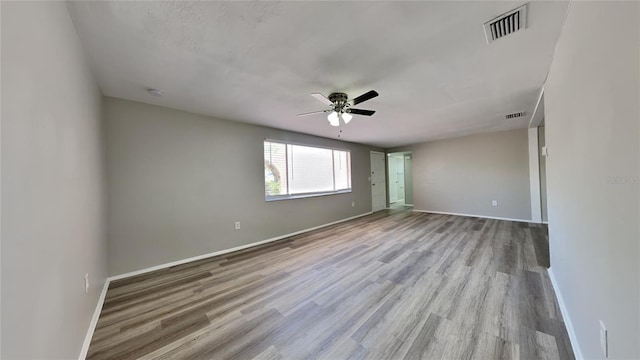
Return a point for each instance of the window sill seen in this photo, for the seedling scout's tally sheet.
(304, 196)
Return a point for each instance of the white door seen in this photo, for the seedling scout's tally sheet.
(393, 179)
(400, 186)
(378, 183)
(399, 160)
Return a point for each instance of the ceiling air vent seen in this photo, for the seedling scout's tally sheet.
(506, 24)
(515, 115)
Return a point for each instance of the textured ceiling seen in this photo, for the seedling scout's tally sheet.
(257, 62)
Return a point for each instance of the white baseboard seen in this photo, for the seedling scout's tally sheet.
(408, 204)
(478, 216)
(565, 316)
(94, 321)
(226, 251)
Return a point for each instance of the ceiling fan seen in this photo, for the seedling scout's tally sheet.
(341, 106)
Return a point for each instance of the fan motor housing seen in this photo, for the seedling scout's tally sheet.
(339, 99)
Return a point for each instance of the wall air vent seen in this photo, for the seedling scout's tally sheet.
(514, 115)
(506, 24)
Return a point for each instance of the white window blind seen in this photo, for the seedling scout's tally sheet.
(293, 170)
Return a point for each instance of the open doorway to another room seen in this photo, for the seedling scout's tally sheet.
(400, 184)
(542, 158)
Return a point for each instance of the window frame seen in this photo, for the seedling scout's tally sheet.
(309, 194)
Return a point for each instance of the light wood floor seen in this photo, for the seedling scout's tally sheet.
(401, 285)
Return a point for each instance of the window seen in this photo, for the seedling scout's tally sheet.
(292, 171)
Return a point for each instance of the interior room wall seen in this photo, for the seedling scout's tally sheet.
(52, 184)
(463, 175)
(177, 182)
(593, 167)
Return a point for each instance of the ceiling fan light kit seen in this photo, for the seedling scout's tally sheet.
(346, 117)
(341, 106)
(334, 119)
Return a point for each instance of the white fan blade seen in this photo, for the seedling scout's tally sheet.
(322, 99)
(314, 112)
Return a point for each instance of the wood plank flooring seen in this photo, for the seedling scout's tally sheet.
(392, 285)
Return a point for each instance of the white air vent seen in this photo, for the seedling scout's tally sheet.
(506, 24)
(514, 115)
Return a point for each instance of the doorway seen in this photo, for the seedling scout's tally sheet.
(542, 158)
(399, 166)
(378, 182)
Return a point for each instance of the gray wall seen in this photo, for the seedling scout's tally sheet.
(592, 134)
(543, 174)
(52, 192)
(177, 182)
(463, 175)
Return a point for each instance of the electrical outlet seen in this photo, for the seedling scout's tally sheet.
(604, 341)
(86, 283)
(237, 225)
(353, 203)
(494, 202)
